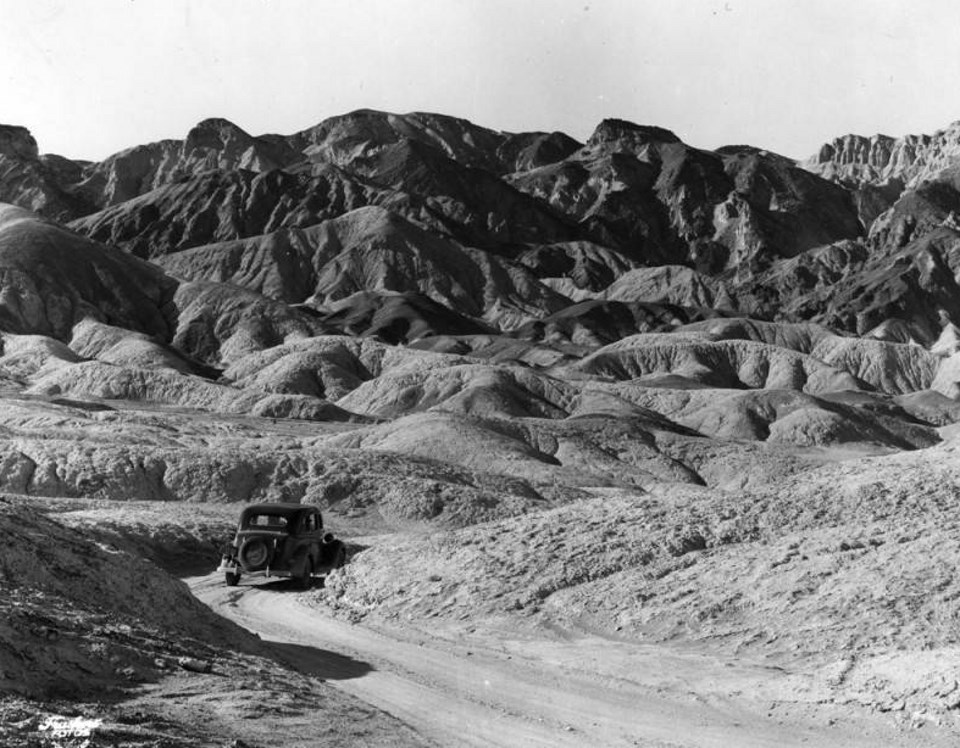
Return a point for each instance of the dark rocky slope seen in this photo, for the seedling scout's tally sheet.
(860, 235)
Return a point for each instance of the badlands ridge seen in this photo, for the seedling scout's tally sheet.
(703, 400)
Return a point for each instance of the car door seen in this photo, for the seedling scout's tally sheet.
(312, 529)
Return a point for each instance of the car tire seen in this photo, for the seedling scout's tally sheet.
(254, 554)
(305, 580)
(232, 578)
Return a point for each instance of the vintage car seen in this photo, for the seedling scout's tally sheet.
(281, 540)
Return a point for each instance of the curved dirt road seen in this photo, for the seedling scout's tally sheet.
(509, 690)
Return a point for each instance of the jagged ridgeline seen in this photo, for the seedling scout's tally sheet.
(445, 227)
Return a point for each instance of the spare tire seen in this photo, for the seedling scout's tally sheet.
(254, 554)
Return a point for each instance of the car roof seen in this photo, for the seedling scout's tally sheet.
(286, 508)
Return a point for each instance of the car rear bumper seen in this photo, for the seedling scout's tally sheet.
(230, 566)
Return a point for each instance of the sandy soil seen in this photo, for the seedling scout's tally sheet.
(463, 687)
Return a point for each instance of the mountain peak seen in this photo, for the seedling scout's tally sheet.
(215, 132)
(17, 142)
(617, 129)
(218, 124)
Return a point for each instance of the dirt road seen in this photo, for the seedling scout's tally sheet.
(549, 691)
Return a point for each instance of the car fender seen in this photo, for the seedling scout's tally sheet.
(298, 564)
(328, 552)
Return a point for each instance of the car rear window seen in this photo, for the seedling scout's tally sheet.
(266, 520)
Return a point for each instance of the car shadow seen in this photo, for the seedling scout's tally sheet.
(319, 663)
(279, 585)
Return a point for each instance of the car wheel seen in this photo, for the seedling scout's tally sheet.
(254, 554)
(306, 579)
(232, 578)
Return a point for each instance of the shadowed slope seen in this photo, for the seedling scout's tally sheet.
(56, 591)
(51, 278)
(398, 317)
(598, 322)
(217, 206)
(372, 249)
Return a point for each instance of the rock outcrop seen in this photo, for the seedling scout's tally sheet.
(909, 160)
(40, 185)
(880, 169)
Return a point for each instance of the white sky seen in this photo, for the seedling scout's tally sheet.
(90, 77)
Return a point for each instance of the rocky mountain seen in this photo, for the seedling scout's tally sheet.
(881, 170)
(214, 144)
(633, 215)
(344, 139)
(509, 229)
(663, 202)
(577, 215)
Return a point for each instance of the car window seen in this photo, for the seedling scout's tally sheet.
(311, 523)
(267, 520)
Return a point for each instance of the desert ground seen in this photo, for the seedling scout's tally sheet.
(812, 613)
(630, 443)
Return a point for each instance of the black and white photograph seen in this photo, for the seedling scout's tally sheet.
(479, 373)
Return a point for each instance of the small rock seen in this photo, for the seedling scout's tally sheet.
(45, 632)
(195, 666)
(948, 688)
(892, 706)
